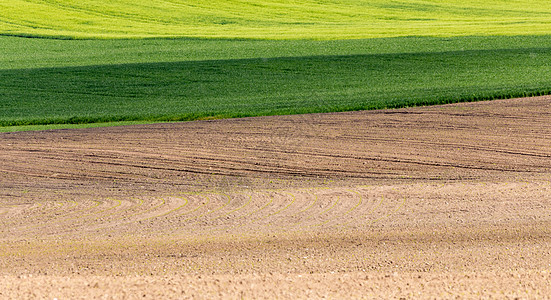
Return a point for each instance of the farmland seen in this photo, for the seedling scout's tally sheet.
(309, 19)
(174, 61)
(260, 77)
(330, 149)
(446, 200)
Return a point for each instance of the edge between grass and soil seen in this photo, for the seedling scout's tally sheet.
(372, 78)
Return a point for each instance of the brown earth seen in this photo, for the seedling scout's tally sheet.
(448, 201)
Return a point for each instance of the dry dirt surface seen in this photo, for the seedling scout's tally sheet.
(449, 201)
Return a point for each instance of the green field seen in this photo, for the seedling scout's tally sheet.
(271, 19)
(151, 61)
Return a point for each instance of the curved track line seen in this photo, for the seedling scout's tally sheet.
(309, 206)
(310, 216)
(182, 225)
(107, 209)
(163, 201)
(390, 213)
(277, 212)
(53, 208)
(360, 201)
(201, 215)
(239, 208)
(186, 201)
(48, 222)
(198, 207)
(371, 210)
(260, 209)
(253, 212)
(215, 210)
(140, 202)
(302, 211)
(115, 212)
(286, 207)
(98, 203)
(208, 212)
(16, 218)
(330, 208)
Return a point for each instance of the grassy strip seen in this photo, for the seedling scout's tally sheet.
(68, 126)
(272, 19)
(23, 53)
(190, 90)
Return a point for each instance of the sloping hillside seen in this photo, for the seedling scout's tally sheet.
(283, 19)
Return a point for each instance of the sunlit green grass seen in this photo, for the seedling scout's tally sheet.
(68, 126)
(190, 90)
(271, 19)
(73, 64)
(22, 53)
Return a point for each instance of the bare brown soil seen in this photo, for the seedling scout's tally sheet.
(448, 201)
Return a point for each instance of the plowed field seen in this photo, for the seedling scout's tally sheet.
(442, 201)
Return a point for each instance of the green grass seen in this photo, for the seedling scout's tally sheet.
(23, 53)
(85, 63)
(271, 19)
(225, 88)
(68, 126)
